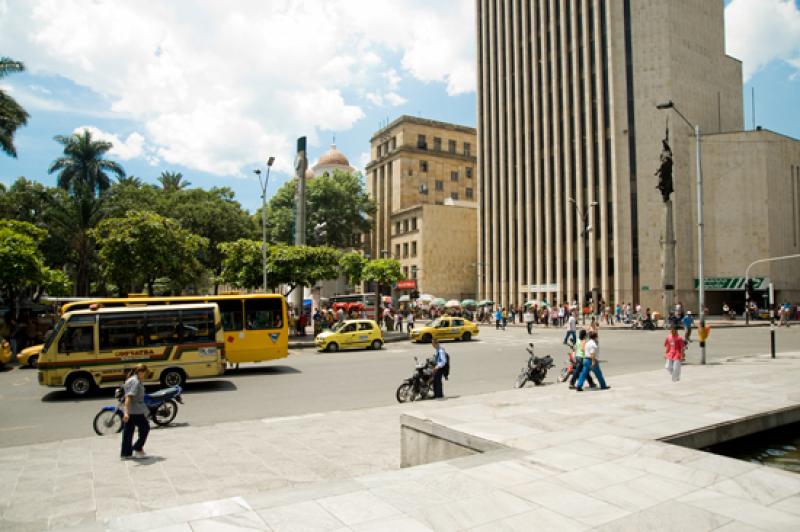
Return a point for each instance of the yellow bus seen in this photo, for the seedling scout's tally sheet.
(91, 348)
(255, 325)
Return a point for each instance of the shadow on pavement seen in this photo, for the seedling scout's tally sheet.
(208, 386)
(260, 370)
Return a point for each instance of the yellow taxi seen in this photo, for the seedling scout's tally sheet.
(30, 355)
(445, 328)
(5, 352)
(350, 334)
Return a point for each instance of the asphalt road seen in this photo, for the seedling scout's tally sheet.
(308, 381)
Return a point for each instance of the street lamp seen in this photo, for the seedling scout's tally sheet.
(586, 228)
(701, 281)
(264, 185)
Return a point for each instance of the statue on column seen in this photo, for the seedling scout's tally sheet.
(664, 172)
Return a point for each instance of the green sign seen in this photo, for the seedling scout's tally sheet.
(731, 283)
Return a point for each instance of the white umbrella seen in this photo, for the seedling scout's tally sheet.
(404, 298)
(453, 303)
(426, 297)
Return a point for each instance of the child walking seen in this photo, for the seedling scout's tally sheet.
(674, 346)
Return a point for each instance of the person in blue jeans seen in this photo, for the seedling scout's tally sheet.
(591, 362)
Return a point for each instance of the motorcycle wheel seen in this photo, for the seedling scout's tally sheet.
(164, 414)
(405, 393)
(565, 372)
(522, 378)
(107, 422)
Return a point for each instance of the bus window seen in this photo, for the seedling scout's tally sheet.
(163, 328)
(197, 325)
(264, 313)
(231, 311)
(77, 339)
(121, 331)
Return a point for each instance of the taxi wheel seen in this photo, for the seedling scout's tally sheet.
(333, 347)
(467, 337)
(426, 339)
(376, 345)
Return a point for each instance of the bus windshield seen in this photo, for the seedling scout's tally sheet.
(49, 340)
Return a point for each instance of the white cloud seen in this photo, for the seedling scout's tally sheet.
(217, 86)
(130, 148)
(762, 31)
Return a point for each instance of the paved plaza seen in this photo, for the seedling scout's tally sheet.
(566, 461)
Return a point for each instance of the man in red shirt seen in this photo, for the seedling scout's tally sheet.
(674, 347)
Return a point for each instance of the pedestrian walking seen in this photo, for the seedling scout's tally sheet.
(577, 368)
(439, 369)
(688, 321)
(572, 327)
(674, 346)
(528, 318)
(504, 316)
(498, 319)
(410, 321)
(591, 362)
(134, 417)
(398, 321)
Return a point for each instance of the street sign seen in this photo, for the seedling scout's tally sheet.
(408, 284)
(550, 287)
(732, 283)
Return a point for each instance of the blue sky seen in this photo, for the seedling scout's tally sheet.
(211, 89)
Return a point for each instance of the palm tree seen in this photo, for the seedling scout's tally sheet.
(172, 181)
(12, 115)
(130, 180)
(83, 169)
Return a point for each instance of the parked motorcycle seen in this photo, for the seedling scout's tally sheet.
(420, 385)
(536, 369)
(162, 408)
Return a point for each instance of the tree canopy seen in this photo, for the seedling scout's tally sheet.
(83, 169)
(12, 115)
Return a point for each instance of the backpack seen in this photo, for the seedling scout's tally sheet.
(446, 368)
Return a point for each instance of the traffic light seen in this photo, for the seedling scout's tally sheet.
(749, 289)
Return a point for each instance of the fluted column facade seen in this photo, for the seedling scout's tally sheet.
(545, 150)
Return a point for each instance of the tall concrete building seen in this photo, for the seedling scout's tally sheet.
(568, 125)
(422, 175)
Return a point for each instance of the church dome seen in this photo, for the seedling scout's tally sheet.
(309, 173)
(333, 157)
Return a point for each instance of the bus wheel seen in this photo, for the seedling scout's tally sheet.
(333, 347)
(172, 377)
(80, 384)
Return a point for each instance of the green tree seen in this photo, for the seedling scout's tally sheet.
(172, 181)
(351, 265)
(288, 265)
(12, 115)
(143, 246)
(124, 196)
(339, 200)
(215, 215)
(130, 180)
(383, 272)
(82, 169)
(23, 268)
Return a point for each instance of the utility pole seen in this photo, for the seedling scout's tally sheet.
(300, 164)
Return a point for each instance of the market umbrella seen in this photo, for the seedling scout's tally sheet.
(531, 303)
(426, 297)
(468, 303)
(485, 302)
(439, 302)
(404, 298)
(453, 303)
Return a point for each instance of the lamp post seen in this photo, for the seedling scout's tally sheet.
(264, 185)
(585, 229)
(701, 281)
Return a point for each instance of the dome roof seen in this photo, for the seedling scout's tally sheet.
(309, 173)
(333, 156)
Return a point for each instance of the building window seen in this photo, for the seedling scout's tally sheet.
(468, 171)
(397, 228)
(451, 146)
(405, 272)
(414, 223)
(439, 185)
(423, 166)
(454, 195)
(414, 248)
(405, 226)
(421, 142)
(437, 144)
(405, 250)
(468, 193)
(467, 149)
(414, 272)
(397, 251)
(393, 143)
(454, 175)
(423, 188)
